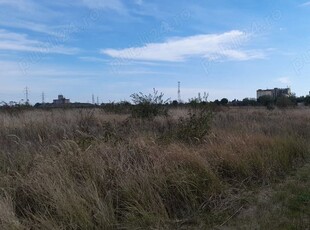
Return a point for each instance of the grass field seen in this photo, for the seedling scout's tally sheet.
(89, 169)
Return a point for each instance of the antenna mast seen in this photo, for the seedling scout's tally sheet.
(27, 95)
(43, 98)
(179, 92)
(93, 99)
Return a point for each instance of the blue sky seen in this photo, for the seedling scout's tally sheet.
(113, 48)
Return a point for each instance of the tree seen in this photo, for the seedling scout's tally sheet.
(284, 102)
(265, 100)
(217, 102)
(307, 100)
(224, 101)
(249, 102)
(300, 99)
(175, 103)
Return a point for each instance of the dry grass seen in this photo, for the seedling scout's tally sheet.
(87, 169)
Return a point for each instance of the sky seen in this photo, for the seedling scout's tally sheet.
(113, 48)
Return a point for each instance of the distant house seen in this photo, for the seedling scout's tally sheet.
(274, 93)
(61, 100)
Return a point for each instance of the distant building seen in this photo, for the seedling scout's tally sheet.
(266, 92)
(274, 93)
(61, 100)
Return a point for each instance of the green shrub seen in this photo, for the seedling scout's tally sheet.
(265, 100)
(283, 102)
(190, 129)
(194, 127)
(149, 106)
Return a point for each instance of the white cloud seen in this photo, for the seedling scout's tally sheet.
(284, 80)
(210, 46)
(11, 41)
(104, 4)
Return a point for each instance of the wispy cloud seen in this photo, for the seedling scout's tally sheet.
(139, 2)
(144, 72)
(122, 64)
(305, 4)
(210, 46)
(11, 41)
(29, 26)
(19, 4)
(116, 5)
(284, 80)
(93, 4)
(93, 59)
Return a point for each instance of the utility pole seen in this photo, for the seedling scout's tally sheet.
(93, 99)
(97, 100)
(43, 98)
(179, 92)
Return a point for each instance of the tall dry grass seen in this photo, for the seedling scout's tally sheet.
(87, 169)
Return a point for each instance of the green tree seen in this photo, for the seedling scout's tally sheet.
(284, 102)
(307, 100)
(224, 101)
(265, 100)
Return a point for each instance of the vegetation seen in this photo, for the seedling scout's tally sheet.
(266, 100)
(224, 101)
(91, 169)
(307, 100)
(282, 206)
(283, 102)
(195, 126)
(149, 106)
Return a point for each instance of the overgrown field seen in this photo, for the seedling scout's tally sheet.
(89, 169)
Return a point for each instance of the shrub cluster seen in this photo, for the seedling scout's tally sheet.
(195, 126)
(149, 106)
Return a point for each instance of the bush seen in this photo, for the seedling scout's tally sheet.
(191, 129)
(307, 100)
(148, 106)
(265, 100)
(195, 127)
(284, 102)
